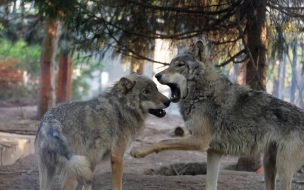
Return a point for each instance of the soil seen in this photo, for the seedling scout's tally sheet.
(168, 170)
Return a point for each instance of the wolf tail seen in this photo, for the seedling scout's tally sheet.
(55, 145)
(80, 166)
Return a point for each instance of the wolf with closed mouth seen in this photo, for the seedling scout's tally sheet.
(74, 137)
(228, 119)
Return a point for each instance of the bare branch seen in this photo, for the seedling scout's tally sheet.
(231, 59)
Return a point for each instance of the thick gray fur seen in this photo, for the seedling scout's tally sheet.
(229, 119)
(74, 137)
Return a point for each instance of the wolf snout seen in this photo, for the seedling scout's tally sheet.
(158, 76)
(167, 103)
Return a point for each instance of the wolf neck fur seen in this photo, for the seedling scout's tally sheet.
(127, 109)
(209, 85)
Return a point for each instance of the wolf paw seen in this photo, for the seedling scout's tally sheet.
(139, 152)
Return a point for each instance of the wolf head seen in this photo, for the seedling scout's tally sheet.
(182, 69)
(142, 93)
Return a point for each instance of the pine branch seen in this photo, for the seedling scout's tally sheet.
(187, 9)
(180, 36)
(132, 51)
(287, 10)
(225, 42)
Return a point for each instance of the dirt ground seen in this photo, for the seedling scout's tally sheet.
(146, 173)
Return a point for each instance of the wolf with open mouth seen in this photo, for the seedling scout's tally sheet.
(229, 119)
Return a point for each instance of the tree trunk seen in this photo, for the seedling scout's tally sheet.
(301, 84)
(137, 67)
(255, 75)
(241, 76)
(64, 78)
(294, 75)
(301, 92)
(276, 74)
(282, 72)
(47, 60)
(256, 41)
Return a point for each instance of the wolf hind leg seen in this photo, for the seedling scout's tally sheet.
(87, 187)
(88, 184)
(269, 163)
(46, 175)
(213, 165)
(78, 169)
(285, 174)
(286, 166)
(69, 183)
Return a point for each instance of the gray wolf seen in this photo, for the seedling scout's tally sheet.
(228, 119)
(74, 137)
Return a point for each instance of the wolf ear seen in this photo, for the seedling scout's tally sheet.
(125, 85)
(197, 50)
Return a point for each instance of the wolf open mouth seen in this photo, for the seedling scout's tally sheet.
(175, 92)
(157, 112)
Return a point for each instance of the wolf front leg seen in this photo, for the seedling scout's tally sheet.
(213, 165)
(117, 164)
(187, 143)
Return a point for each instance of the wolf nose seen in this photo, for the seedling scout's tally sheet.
(158, 76)
(167, 103)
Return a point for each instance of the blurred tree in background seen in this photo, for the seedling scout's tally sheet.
(22, 31)
(18, 69)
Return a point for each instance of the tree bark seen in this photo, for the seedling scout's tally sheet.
(301, 92)
(138, 67)
(64, 78)
(255, 72)
(275, 88)
(294, 75)
(47, 60)
(282, 73)
(241, 75)
(256, 41)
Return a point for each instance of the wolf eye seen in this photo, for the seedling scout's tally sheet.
(180, 64)
(146, 91)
